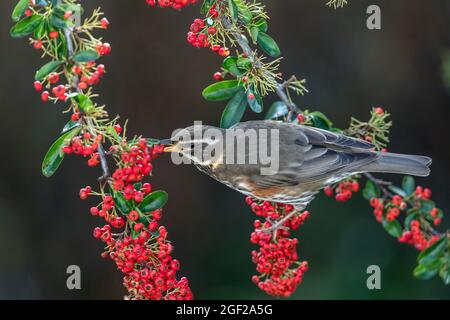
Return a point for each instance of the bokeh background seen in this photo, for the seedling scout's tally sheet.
(155, 79)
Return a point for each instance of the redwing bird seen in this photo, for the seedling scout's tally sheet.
(310, 159)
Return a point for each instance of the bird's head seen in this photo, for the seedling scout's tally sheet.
(199, 144)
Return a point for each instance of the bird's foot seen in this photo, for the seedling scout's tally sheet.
(279, 225)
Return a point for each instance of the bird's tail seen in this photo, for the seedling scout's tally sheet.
(400, 164)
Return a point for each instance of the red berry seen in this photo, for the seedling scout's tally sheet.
(133, 215)
(45, 95)
(218, 76)
(104, 23)
(54, 34)
(38, 86)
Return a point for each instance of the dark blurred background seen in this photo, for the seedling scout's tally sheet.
(155, 79)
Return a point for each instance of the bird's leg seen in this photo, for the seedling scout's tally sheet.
(279, 224)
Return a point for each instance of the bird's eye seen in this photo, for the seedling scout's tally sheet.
(192, 145)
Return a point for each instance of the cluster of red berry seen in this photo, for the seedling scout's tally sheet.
(176, 4)
(202, 31)
(88, 73)
(85, 145)
(416, 237)
(344, 190)
(150, 271)
(390, 209)
(277, 259)
(144, 256)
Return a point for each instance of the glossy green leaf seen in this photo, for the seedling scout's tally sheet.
(244, 63)
(26, 26)
(234, 110)
(424, 272)
(408, 185)
(59, 22)
(245, 14)
(55, 155)
(20, 9)
(397, 190)
(223, 90)
(256, 104)
(230, 64)
(426, 206)
(319, 120)
(444, 273)
(121, 203)
(254, 32)
(70, 125)
(40, 30)
(46, 69)
(277, 110)
(433, 252)
(86, 56)
(371, 191)
(84, 102)
(206, 6)
(409, 218)
(154, 201)
(234, 13)
(153, 142)
(268, 45)
(262, 25)
(394, 227)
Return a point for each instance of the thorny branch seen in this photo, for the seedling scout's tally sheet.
(101, 151)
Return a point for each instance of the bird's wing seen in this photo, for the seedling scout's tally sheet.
(311, 155)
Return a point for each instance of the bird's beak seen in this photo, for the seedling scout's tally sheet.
(169, 145)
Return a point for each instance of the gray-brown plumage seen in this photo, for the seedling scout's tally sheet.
(309, 160)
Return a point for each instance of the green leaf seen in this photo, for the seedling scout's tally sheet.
(55, 155)
(59, 22)
(319, 120)
(26, 26)
(423, 272)
(153, 142)
(394, 227)
(408, 185)
(234, 110)
(234, 13)
(444, 273)
(434, 252)
(40, 30)
(84, 102)
(70, 125)
(86, 56)
(256, 104)
(262, 25)
(397, 190)
(244, 63)
(371, 191)
(426, 206)
(244, 12)
(223, 90)
(409, 218)
(268, 45)
(20, 9)
(46, 69)
(121, 203)
(277, 110)
(154, 201)
(254, 32)
(206, 6)
(230, 64)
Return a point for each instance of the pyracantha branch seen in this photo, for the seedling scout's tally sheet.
(138, 244)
